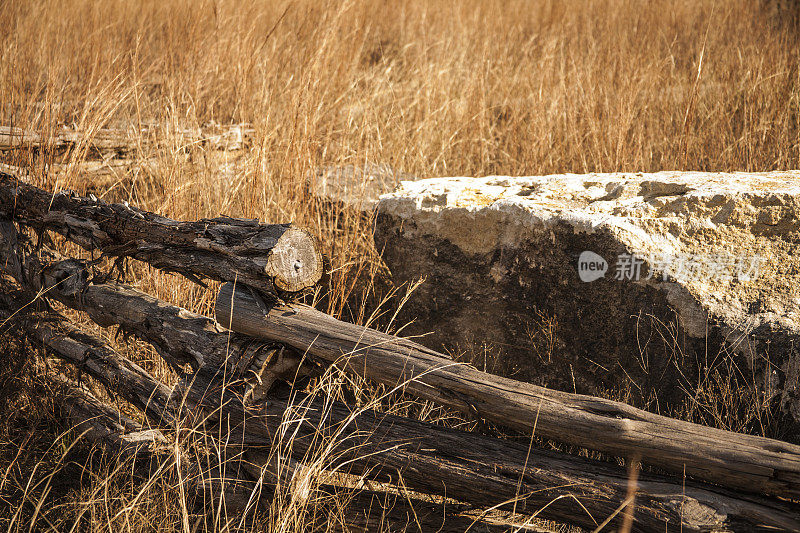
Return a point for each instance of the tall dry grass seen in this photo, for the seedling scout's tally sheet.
(447, 88)
(431, 88)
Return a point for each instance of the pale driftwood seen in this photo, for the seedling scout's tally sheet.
(264, 256)
(481, 470)
(11, 138)
(102, 141)
(734, 460)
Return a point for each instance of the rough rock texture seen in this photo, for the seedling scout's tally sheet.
(715, 306)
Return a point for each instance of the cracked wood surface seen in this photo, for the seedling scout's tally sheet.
(734, 460)
(103, 423)
(226, 487)
(93, 356)
(264, 256)
(181, 338)
(483, 471)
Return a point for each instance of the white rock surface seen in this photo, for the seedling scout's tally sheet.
(698, 235)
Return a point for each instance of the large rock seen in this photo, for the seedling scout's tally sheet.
(699, 296)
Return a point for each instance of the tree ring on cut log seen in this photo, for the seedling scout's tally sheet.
(295, 261)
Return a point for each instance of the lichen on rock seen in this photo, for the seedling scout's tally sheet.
(701, 268)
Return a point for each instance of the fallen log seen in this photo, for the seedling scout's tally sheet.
(103, 424)
(12, 138)
(734, 460)
(103, 141)
(93, 356)
(369, 510)
(495, 473)
(359, 510)
(218, 490)
(429, 459)
(150, 451)
(482, 470)
(206, 479)
(181, 338)
(265, 256)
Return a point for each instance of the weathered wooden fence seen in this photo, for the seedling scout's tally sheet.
(714, 480)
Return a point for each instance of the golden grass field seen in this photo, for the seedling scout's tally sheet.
(440, 88)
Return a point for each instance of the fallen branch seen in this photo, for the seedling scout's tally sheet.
(264, 256)
(93, 356)
(488, 472)
(150, 451)
(734, 460)
(180, 337)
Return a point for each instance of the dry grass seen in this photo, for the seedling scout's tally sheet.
(432, 89)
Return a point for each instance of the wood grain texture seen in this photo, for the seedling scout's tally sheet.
(481, 470)
(101, 423)
(232, 490)
(66, 341)
(264, 256)
(181, 338)
(489, 472)
(734, 460)
(207, 479)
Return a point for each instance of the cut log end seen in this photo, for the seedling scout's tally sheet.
(295, 262)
